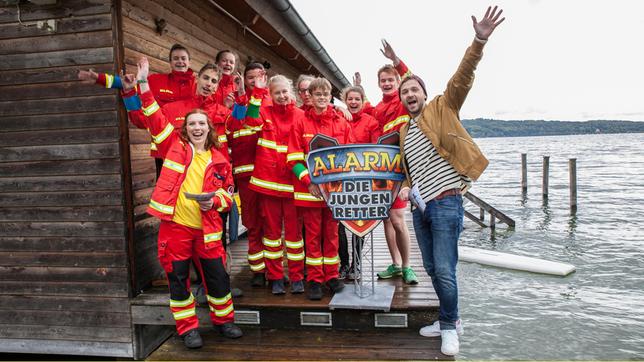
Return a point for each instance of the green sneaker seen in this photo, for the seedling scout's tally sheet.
(409, 277)
(392, 271)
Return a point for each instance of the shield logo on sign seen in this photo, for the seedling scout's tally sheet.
(359, 182)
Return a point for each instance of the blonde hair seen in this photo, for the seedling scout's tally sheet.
(283, 80)
(388, 68)
(319, 82)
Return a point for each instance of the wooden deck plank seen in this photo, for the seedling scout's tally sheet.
(312, 344)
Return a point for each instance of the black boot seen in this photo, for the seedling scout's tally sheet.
(335, 285)
(315, 291)
(259, 280)
(278, 287)
(192, 339)
(229, 330)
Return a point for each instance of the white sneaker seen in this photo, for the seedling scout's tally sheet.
(434, 330)
(449, 342)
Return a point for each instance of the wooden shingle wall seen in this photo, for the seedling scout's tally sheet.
(64, 278)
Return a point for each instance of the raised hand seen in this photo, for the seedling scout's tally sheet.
(87, 75)
(389, 52)
(229, 101)
(357, 80)
(261, 81)
(490, 21)
(239, 83)
(143, 69)
(128, 81)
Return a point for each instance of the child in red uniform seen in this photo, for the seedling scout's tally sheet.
(225, 94)
(195, 163)
(321, 228)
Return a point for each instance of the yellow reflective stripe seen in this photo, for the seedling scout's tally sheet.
(303, 196)
(164, 134)
(257, 267)
(271, 185)
(222, 201)
(302, 174)
(184, 314)
(166, 209)
(273, 254)
(174, 166)
(256, 256)
(246, 132)
(331, 261)
(223, 312)
(222, 138)
(271, 243)
(207, 238)
(243, 168)
(395, 122)
(255, 101)
(272, 145)
(295, 257)
(109, 80)
(153, 146)
(220, 301)
(182, 303)
(313, 261)
(294, 244)
(149, 110)
(295, 156)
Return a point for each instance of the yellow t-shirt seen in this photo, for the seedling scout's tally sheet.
(186, 211)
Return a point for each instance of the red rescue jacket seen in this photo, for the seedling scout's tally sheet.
(224, 88)
(329, 123)
(172, 87)
(175, 114)
(390, 112)
(365, 128)
(271, 175)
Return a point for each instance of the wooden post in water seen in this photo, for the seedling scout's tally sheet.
(572, 166)
(546, 176)
(524, 173)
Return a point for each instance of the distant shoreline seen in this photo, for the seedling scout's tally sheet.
(482, 128)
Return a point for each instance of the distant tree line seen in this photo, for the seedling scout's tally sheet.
(481, 127)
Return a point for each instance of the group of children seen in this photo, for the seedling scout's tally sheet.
(222, 131)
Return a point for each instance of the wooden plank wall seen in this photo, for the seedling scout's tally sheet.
(63, 261)
(204, 30)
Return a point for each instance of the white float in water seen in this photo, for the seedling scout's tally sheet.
(511, 261)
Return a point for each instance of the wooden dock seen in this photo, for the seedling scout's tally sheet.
(273, 325)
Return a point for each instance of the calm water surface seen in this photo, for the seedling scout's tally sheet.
(595, 313)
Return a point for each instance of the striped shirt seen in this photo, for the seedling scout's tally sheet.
(427, 169)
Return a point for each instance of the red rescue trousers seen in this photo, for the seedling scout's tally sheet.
(275, 212)
(177, 246)
(251, 220)
(322, 261)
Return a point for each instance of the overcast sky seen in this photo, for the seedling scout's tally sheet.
(550, 59)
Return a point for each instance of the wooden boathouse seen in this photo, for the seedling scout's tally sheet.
(77, 250)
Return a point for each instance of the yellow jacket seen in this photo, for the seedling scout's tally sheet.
(439, 121)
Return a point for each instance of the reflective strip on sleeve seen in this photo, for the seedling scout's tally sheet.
(184, 314)
(149, 110)
(273, 254)
(294, 244)
(271, 243)
(208, 238)
(243, 168)
(272, 145)
(109, 79)
(400, 120)
(219, 301)
(313, 261)
(304, 196)
(295, 257)
(222, 313)
(255, 101)
(303, 173)
(222, 138)
(167, 131)
(256, 256)
(257, 267)
(246, 132)
(182, 303)
(271, 185)
(295, 156)
(153, 146)
(174, 166)
(166, 209)
(331, 261)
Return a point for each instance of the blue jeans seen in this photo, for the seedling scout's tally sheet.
(437, 231)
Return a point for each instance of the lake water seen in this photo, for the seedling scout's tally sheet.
(595, 313)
